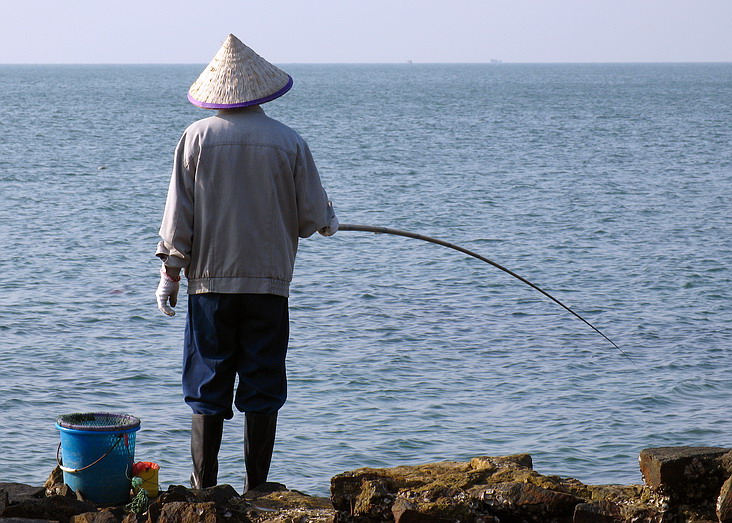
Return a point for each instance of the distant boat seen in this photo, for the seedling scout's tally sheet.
(496, 61)
(409, 62)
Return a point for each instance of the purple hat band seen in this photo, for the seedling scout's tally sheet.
(258, 101)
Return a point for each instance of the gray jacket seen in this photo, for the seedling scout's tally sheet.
(244, 188)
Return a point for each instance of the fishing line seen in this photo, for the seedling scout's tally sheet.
(407, 234)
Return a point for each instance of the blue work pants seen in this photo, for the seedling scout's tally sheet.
(235, 334)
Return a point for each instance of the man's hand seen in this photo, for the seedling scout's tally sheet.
(167, 292)
(332, 227)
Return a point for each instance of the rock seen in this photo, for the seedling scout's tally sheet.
(527, 501)
(265, 488)
(484, 489)
(724, 502)
(63, 489)
(179, 493)
(602, 512)
(221, 500)
(174, 494)
(220, 494)
(404, 511)
(686, 475)
(18, 492)
(274, 503)
(518, 460)
(369, 491)
(58, 508)
(727, 462)
(680, 487)
(103, 516)
(55, 485)
(56, 477)
(180, 512)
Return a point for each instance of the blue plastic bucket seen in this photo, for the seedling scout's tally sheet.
(96, 454)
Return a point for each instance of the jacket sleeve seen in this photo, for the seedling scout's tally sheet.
(313, 208)
(176, 229)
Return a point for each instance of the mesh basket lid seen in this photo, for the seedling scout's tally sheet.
(99, 421)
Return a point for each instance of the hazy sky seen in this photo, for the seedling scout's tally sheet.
(305, 31)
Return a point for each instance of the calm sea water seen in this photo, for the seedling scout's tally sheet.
(610, 186)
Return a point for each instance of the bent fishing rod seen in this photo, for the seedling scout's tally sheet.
(407, 234)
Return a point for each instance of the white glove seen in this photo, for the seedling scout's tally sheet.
(167, 291)
(332, 227)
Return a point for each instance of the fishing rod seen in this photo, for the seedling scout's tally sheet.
(407, 234)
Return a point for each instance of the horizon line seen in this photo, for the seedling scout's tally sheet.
(406, 62)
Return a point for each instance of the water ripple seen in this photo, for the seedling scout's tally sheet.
(607, 185)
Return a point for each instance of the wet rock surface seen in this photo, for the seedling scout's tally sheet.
(486, 489)
(682, 484)
(690, 479)
(687, 475)
(724, 502)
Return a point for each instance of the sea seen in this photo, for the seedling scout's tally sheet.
(607, 185)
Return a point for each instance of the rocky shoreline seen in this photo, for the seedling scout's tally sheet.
(681, 484)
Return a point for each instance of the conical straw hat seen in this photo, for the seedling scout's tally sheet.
(238, 77)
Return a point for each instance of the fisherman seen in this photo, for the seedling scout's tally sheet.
(244, 188)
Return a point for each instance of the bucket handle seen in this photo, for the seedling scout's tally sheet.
(74, 471)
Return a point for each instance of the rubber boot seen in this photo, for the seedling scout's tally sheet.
(258, 445)
(206, 434)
